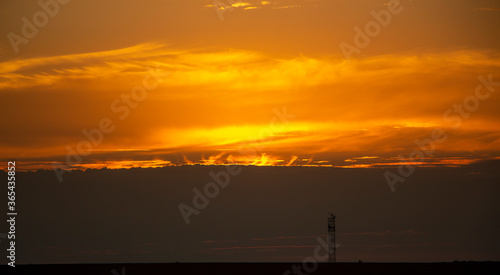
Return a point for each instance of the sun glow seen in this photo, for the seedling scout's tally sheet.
(246, 107)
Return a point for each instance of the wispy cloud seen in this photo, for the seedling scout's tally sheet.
(251, 5)
(263, 247)
(220, 95)
(386, 233)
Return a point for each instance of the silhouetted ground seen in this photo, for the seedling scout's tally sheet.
(122, 216)
(259, 268)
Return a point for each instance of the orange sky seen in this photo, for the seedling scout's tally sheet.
(217, 90)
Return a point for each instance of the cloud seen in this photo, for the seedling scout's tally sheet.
(292, 160)
(370, 233)
(264, 247)
(46, 71)
(373, 106)
(252, 5)
(386, 233)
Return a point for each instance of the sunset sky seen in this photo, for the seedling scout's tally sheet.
(319, 85)
(223, 74)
